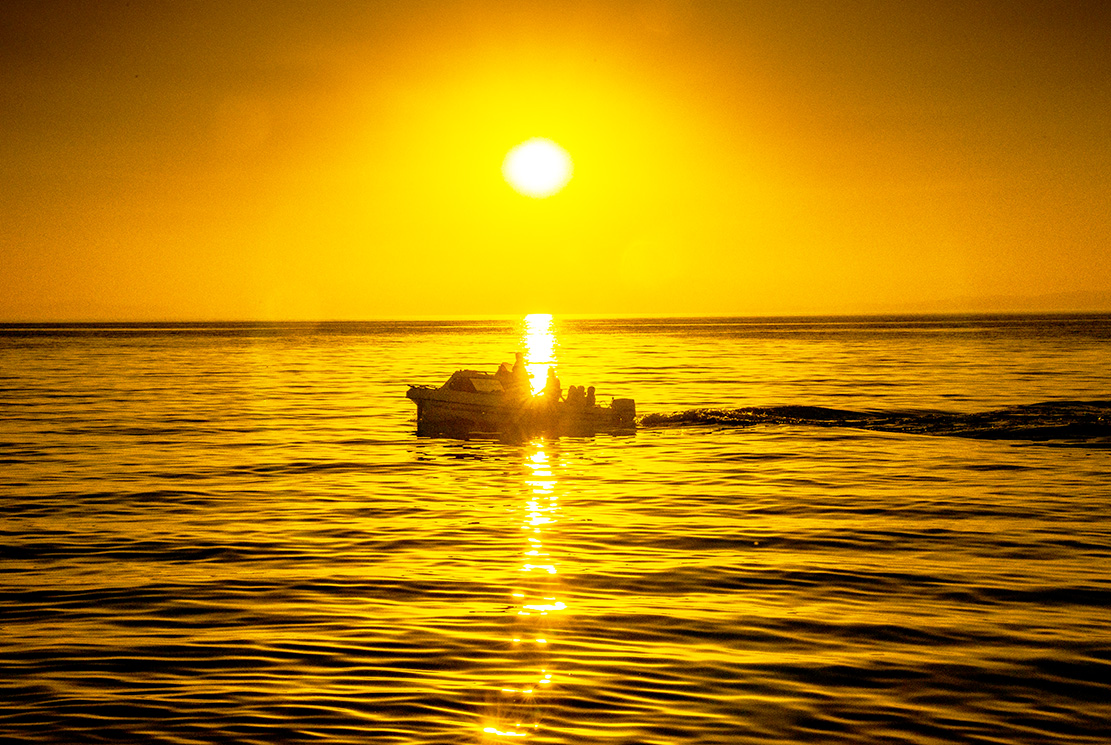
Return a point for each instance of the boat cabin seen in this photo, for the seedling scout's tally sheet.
(474, 381)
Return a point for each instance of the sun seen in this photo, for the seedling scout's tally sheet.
(537, 168)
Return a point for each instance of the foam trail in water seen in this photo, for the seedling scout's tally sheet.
(1070, 422)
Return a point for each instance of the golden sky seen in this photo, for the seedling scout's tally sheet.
(342, 159)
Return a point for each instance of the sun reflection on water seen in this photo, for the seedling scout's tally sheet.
(518, 708)
(540, 343)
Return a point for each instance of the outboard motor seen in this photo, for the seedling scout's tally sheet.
(624, 410)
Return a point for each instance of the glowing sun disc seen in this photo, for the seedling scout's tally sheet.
(537, 168)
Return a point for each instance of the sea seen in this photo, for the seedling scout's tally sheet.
(829, 530)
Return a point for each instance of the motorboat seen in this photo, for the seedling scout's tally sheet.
(474, 402)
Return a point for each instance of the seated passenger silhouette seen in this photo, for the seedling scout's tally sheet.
(520, 372)
(552, 390)
(576, 396)
(504, 376)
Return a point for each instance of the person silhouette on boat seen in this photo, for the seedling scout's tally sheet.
(552, 390)
(576, 397)
(520, 373)
(504, 376)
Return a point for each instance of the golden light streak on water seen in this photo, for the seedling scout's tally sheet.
(499, 733)
(517, 708)
(540, 343)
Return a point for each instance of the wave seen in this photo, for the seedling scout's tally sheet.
(1062, 422)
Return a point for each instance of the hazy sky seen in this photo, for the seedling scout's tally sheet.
(303, 160)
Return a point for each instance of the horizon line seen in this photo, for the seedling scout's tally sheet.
(568, 316)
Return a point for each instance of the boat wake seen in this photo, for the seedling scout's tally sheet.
(1077, 423)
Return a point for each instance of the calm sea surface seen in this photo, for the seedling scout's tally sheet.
(825, 530)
